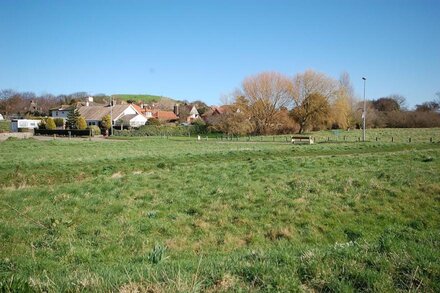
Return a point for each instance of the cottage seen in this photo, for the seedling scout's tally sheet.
(132, 120)
(94, 114)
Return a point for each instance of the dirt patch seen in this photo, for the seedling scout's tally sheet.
(117, 175)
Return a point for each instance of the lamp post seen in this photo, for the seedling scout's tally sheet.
(364, 113)
(111, 115)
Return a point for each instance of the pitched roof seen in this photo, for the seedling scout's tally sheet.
(165, 115)
(63, 108)
(127, 118)
(139, 109)
(97, 112)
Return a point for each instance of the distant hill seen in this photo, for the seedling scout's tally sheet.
(138, 98)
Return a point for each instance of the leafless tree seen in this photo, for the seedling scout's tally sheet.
(265, 94)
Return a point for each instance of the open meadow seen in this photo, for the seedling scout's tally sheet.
(163, 215)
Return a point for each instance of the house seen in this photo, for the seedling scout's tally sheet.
(17, 124)
(187, 113)
(131, 120)
(94, 114)
(213, 111)
(165, 116)
(1, 117)
(62, 111)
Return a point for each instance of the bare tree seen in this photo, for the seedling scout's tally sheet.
(265, 94)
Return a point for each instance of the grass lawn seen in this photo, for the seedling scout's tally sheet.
(161, 215)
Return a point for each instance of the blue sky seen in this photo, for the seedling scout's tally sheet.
(203, 49)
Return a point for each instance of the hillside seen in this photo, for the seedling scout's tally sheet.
(139, 97)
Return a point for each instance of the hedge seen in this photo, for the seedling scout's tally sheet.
(63, 132)
(154, 130)
(5, 126)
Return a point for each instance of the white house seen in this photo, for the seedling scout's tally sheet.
(61, 112)
(132, 120)
(94, 114)
(17, 124)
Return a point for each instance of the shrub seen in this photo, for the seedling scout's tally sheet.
(50, 124)
(200, 126)
(5, 126)
(95, 130)
(106, 122)
(59, 122)
(154, 130)
(153, 121)
(82, 124)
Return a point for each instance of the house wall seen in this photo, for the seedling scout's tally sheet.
(59, 114)
(137, 121)
(93, 122)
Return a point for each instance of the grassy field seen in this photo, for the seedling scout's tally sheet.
(161, 215)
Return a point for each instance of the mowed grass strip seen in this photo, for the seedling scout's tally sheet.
(210, 216)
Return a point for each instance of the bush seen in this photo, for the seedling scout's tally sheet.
(59, 122)
(106, 122)
(95, 130)
(153, 121)
(200, 126)
(153, 130)
(82, 124)
(50, 124)
(5, 126)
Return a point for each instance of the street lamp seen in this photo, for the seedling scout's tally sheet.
(111, 115)
(364, 113)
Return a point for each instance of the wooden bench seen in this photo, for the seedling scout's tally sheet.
(302, 139)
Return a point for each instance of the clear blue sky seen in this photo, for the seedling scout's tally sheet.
(203, 49)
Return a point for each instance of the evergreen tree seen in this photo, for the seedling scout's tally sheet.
(73, 119)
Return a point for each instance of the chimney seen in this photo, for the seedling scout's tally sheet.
(88, 101)
(176, 109)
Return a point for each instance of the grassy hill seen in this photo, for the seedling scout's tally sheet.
(138, 98)
(180, 215)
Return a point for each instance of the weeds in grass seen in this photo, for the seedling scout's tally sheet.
(157, 254)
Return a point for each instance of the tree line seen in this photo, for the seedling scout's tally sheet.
(273, 103)
(270, 103)
(28, 103)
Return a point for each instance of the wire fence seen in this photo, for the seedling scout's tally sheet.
(314, 138)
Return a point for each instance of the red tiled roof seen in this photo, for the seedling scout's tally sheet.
(139, 109)
(165, 115)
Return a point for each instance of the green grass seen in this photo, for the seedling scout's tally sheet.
(138, 98)
(179, 215)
